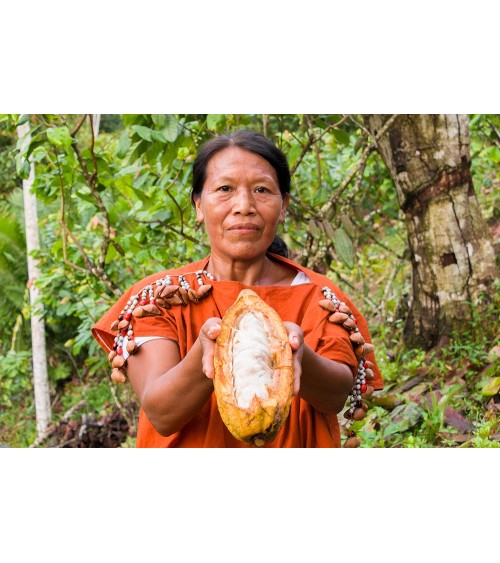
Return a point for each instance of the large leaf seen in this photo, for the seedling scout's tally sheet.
(216, 121)
(344, 247)
(60, 137)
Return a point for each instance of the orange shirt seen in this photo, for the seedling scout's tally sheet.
(305, 426)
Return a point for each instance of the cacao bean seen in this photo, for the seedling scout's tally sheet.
(118, 361)
(132, 347)
(204, 290)
(368, 348)
(349, 324)
(111, 355)
(359, 414)
(343, 308)
(123, 324)
(352, 442)
(162, 303)
(118, 375)
(328, 305)
(183, 294)
(368, 392)
(357, 338)
(369, 374)
(151, 310)
(338, 318)
(167, 291)
(193, 296)
(114, 326)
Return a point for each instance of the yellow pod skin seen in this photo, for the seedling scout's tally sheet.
(253, 380)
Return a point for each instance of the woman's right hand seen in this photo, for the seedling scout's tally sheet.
(208, 335)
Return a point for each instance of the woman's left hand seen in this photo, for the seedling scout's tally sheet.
(296, 340)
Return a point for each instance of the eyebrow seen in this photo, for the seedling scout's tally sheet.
(258, 179)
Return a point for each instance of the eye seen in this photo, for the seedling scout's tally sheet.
(224, 189)
(262, 190)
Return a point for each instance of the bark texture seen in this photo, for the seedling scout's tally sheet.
(38, 344)
(453, 260)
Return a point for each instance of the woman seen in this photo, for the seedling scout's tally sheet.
(241, 190)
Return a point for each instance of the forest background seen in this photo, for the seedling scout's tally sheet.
(113, 206)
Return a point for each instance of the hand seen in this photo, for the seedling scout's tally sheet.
(296, 340)
(208, 335)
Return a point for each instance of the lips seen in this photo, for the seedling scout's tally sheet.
(244, 228)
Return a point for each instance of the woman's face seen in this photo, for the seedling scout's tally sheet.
(240, 204)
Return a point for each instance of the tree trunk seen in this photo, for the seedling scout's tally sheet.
(39, 354)
(453, 260)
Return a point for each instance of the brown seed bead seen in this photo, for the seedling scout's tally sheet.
(118, 375)
(151, 310)
(167, 291)
(369, 365)
(328, 305)
(368, 348)
(348, 414)
(368, 392)
(349, 324)
(369, 374)
(111, 355)
(345, 309)
(114, 326)
(118, 362)
(338, 318)
(193, 296)
(203, 290)
(174, 300)
(123, 324)
(358, 351)
(357, 338)
(138, 312)
(183, 294)
(162, 303)
(132, 347)
(352, 442)
(359, 414)
(364, 406)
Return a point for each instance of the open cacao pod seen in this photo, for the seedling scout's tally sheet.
(253, 379)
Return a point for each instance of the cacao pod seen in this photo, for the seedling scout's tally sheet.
(253, 380)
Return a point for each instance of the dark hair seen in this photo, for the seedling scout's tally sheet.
(248, 140)
(253, 142)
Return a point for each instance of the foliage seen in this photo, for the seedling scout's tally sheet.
(115, 207)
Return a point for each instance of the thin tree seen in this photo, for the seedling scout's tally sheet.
(452, 255)
(39, 352)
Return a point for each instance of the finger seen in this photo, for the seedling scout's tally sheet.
(207, 365)
(295, 341)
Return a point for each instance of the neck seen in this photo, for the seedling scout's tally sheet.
(259, 272)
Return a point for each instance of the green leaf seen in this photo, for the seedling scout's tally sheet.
(143, 132)
(158, 136)
(23, 167)
(216, 121)
(123, 145)
(344, 247)
(23, 118)
(182, 153)
(171, 129)
(341, 136)
(60, 137)
(491, 388)
(159, 119)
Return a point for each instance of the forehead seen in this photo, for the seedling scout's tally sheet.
(236, 161)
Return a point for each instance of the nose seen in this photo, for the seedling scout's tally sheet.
(244, 202)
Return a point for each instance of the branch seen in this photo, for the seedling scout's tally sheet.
(329, 205)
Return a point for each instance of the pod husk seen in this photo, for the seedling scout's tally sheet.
(261, 421)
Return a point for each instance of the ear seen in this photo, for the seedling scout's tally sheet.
(200, 216)
(284, 206)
